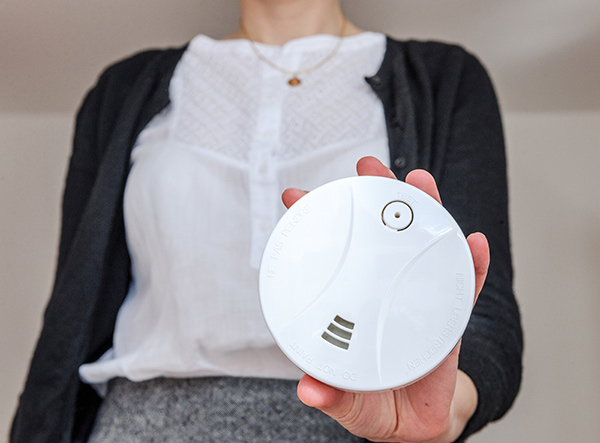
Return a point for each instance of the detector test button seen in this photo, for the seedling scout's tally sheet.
(397, 215)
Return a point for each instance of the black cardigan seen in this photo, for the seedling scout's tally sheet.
(441, 115)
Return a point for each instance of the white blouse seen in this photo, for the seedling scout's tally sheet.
(203, 195)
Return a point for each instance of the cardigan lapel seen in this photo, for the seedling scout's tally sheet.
(392, 87)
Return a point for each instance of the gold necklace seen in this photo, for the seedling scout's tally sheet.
(294, 80)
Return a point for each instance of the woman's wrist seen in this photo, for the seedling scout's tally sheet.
(463, 406)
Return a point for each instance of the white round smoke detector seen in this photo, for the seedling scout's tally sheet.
(367, 283)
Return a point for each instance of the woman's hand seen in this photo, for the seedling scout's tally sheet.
(435, 408)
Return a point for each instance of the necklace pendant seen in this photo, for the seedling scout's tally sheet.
(294, 81)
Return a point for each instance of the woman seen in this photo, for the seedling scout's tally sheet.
(169, 144)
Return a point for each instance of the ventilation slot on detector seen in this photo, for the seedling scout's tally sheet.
(339, 332)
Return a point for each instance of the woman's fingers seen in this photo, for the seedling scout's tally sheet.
(291, 196)
(423, 180)
(480, 251)
(372, 166)
(365, 166)
(319, 395)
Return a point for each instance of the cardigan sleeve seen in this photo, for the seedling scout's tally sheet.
(473, 185)
(81, 172)
(94, 125)
(77, 322)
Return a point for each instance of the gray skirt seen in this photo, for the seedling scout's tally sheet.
(219, 409)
